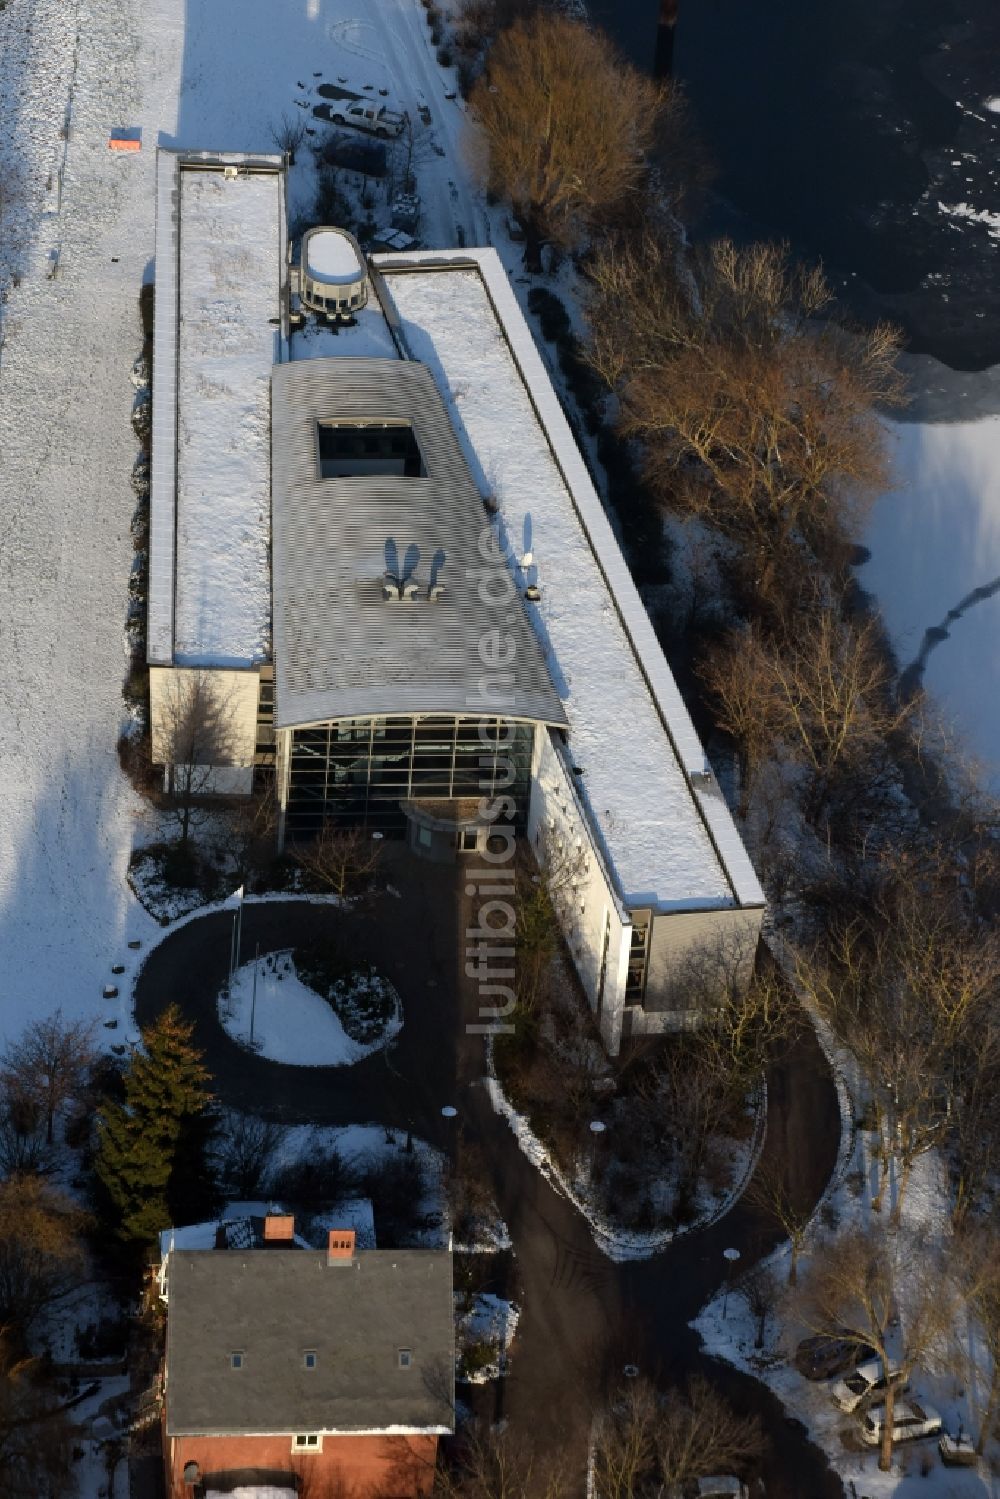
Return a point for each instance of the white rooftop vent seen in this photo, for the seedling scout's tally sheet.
(333, 279)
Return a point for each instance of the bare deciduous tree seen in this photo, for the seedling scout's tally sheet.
(288, 134)
(36, 1437)
(248, 833)
(754, 413)
(567, 124)
(646, 1442)
(491, 1463)
(760, 1292)
(824, 695)
(976, 1260)
(910, 986)
(343, 860)
(41, 1257)
(546, 904)
(747, 1010)
(247, 1145)
(770, 1191)
(883, 1291)
(49, 1065)
(734, 670)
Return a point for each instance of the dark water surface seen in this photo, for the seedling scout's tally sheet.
(844, 128)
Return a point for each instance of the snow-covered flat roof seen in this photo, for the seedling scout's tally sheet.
(221, 224)
(644, 776)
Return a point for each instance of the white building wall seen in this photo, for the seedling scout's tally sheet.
(595, 923)
(683, 942)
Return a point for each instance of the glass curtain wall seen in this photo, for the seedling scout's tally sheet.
(356, 772)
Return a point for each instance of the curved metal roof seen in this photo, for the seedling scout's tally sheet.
(341, 649)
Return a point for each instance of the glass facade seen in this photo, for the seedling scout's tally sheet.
(356, 772)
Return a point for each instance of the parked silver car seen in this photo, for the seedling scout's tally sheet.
(909, 1421)
(867, 1380)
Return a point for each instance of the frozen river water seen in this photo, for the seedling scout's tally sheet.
(868, 135)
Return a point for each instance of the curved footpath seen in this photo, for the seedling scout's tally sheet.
(584, 1317)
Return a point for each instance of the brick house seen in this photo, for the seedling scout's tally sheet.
(327, 1373)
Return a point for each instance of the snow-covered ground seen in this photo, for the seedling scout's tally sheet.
(291, 1022)
(728, 1331)
(935, 566)
(215, 76)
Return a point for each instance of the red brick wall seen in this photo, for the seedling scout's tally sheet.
(371, 1467)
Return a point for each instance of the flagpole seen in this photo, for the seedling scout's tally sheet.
(253, 998)
(239, 926)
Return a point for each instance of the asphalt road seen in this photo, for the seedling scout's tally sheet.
(583, 1316)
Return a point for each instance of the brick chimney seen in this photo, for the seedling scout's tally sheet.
(279, 1228)
(340, 1246)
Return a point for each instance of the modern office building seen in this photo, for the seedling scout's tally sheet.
(389, 532)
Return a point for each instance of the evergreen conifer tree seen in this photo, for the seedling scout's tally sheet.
(162, 1125)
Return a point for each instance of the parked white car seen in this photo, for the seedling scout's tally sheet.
(866, 1380)
(373, 118)
(909, 1421)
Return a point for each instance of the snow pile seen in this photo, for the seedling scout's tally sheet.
(976, 215)
(484, 1330)
(290, 1022)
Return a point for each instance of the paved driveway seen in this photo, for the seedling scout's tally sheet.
(584, 1317)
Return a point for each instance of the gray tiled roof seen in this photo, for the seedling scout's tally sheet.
(272, 1306)
(340, 649)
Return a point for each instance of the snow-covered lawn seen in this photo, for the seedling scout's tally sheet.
(292, 1023)
(365, 1145)
(935, 542)
(728, 1331)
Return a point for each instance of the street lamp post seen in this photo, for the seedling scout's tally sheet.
(253, 996)
(730, 1256)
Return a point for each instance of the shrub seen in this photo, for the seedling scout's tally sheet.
(444, 56)
(179, 866)
(147, 300)
(363, 1002)
(316, 1181)
(475, 1357)
(142, 418)
(551, 313)
(397, 1185)
(105, 1339)
(136, 688)
(135, 759)
(330, 205)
